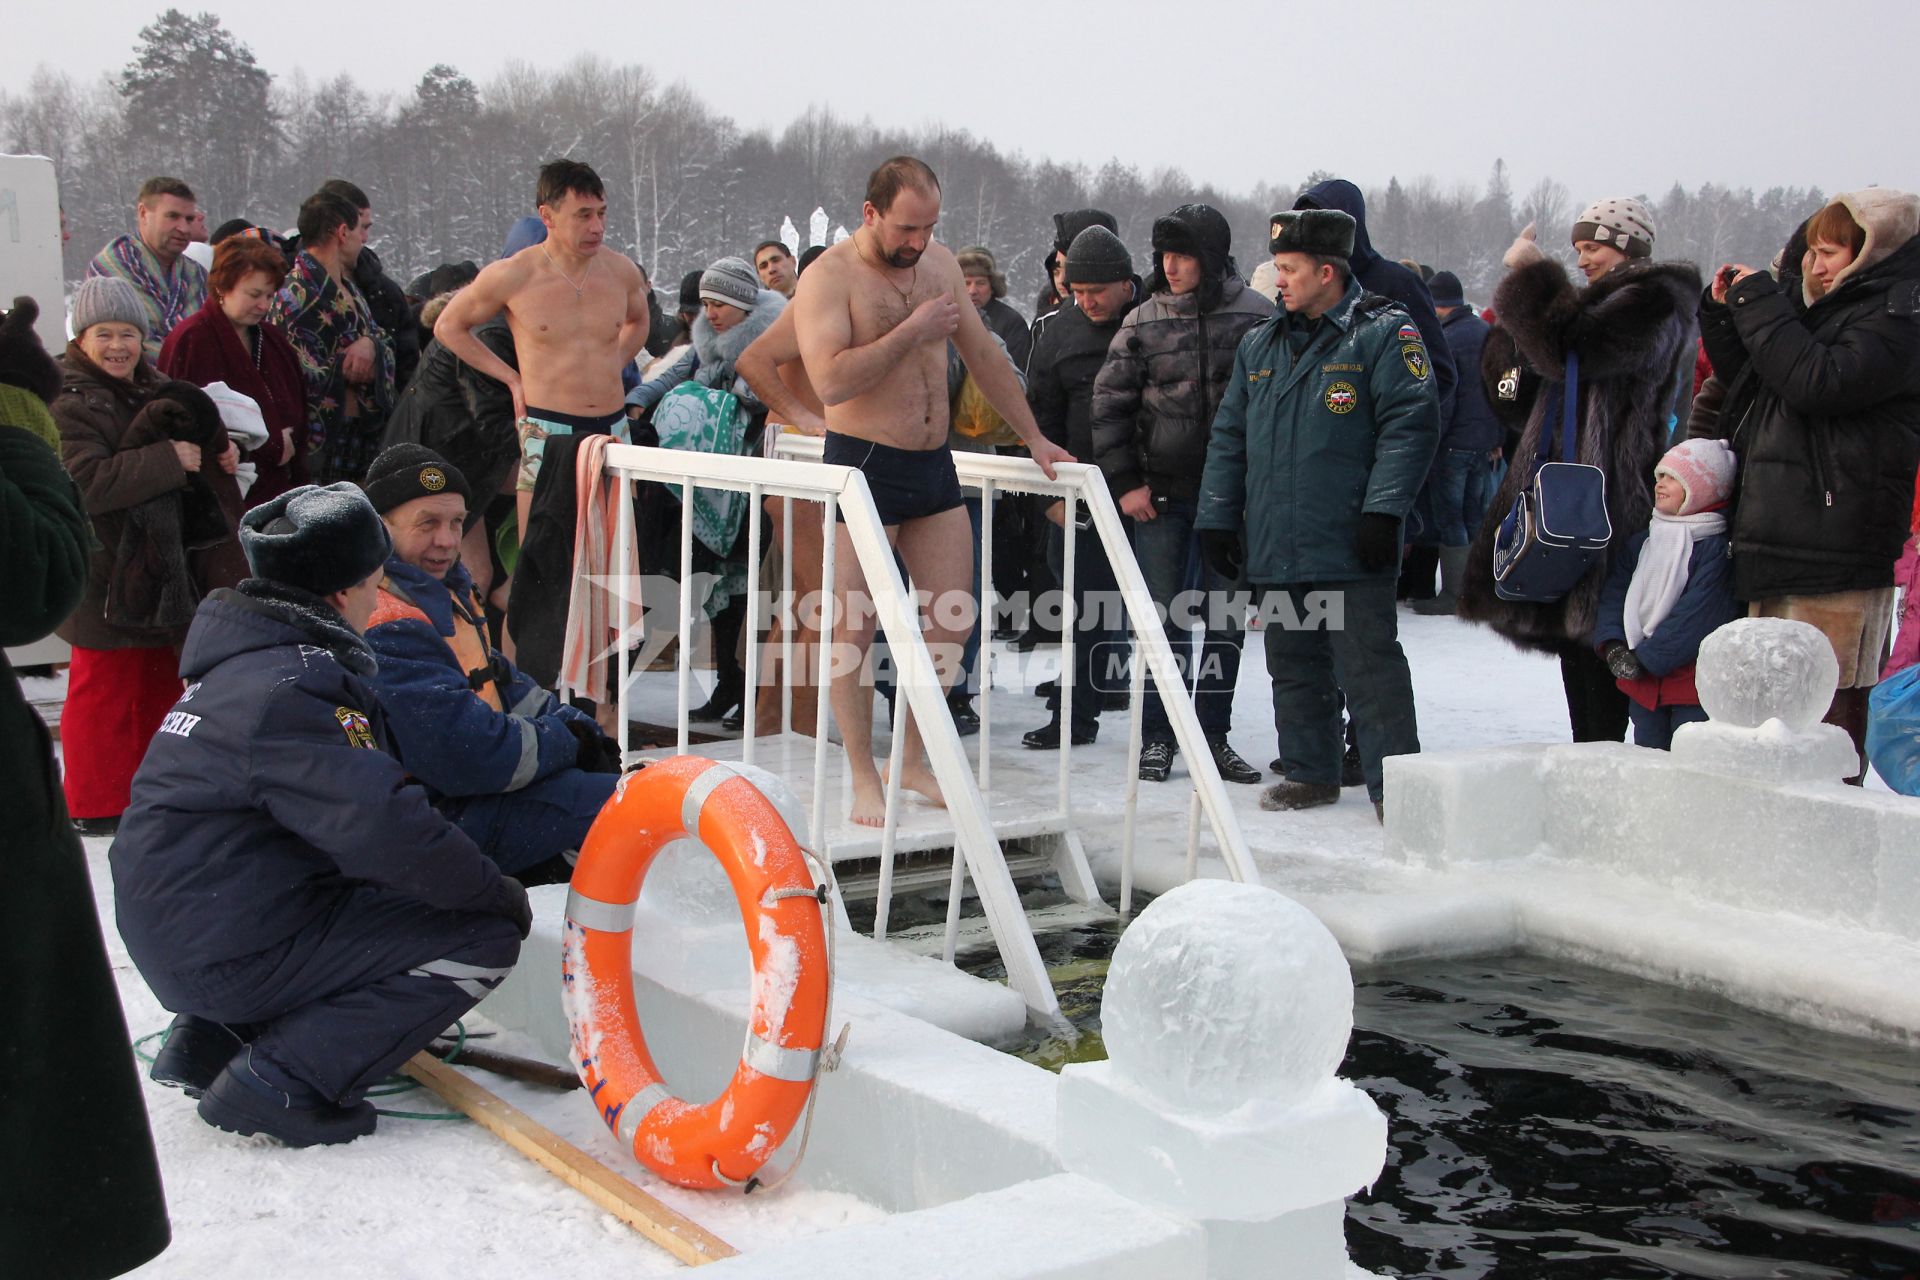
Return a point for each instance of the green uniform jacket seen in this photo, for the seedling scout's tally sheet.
(1300, 450)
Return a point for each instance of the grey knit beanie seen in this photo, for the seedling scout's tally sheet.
(104, 300)
(1097, 256)
(1619, 221)
(733, 281)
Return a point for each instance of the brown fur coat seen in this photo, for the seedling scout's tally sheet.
(1632, 328)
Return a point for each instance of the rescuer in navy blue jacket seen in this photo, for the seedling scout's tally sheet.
(519, 771)
(279, 881)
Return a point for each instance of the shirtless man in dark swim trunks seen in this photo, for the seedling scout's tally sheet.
(873, 317)
(578, 317)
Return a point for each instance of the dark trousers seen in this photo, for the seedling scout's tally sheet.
(341, 1004)
(1099, 630)
(1596, 707)
(1310, 668)
(1653, 726)
(1169, 556)
(522, 829)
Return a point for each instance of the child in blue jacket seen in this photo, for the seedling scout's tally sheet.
(1670, 589)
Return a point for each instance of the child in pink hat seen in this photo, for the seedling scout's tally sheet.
(1669, 589)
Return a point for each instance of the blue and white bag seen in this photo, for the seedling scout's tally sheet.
(1558, 528)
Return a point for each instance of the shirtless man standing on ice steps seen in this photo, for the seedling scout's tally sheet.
(578, 316)
(873, 317)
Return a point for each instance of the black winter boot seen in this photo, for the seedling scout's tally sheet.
(240, 1101)
(193, 1054)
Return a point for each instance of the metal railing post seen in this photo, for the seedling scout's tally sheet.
(1069, 617)
(749, 696)
(623, 657)
(683, 669)
(829, 605)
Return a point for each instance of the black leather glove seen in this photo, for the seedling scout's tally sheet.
(209, 431)
(510, 901)
(1377, 541)
(598, 753)
(1622, 662)
(1224, 552)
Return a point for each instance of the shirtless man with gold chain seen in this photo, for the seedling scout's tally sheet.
(578, 318)
(873, 316)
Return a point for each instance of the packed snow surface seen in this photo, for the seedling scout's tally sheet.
(425, 1199)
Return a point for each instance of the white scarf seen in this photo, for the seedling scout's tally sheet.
(1661, 575)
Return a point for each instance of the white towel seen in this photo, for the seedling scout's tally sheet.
(240, 415)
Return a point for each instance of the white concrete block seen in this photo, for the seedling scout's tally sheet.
(1254, 1163)
(915, 1116)
(1057, 1228)
(1454, 807)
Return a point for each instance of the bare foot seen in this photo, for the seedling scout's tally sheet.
(869, 801)
(920, 781)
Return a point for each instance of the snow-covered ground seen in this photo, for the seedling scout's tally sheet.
(432, 1199)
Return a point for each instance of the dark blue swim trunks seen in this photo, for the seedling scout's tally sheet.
(907, 484)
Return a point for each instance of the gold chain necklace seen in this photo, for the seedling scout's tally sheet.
(906, 294)
(578, 289)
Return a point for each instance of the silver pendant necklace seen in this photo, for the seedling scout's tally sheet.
(578, 289)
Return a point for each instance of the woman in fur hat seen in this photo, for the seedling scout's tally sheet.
(1632, 326)
(1821, 365)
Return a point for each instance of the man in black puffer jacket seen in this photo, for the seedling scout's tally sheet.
(1153, 407)
(1060, 382)
(280, 882)
(1822, 409)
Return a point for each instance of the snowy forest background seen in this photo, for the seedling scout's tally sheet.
(451, 164)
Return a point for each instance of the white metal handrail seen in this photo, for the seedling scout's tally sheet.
(993, 473)
(845, 497)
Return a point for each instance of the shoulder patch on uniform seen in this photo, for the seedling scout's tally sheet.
(358, 729)
(1416, 357)
(1342, 398)
(1409, 333)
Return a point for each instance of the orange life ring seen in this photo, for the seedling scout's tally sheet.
(726, 1141)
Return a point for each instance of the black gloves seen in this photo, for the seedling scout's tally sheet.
(510, 901)
(1377, 541)
(598, 753)
(1621, 661)
(1223, 552)
(208, 431)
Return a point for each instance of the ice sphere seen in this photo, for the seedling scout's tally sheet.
(1222, 992)
(1757, 669)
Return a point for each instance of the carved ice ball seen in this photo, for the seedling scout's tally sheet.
(1757, 669)
(1222, 992)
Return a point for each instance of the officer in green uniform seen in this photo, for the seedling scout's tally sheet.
(1322, 440)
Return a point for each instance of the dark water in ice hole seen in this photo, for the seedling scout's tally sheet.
(1552, 1120)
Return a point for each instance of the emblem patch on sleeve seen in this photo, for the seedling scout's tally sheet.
(357, 728)
(1416, 357)
(1409, 333)
(1341, 398)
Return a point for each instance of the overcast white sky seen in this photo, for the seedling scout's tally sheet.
(1609, 98)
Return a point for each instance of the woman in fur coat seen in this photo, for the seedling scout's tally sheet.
(1633, 328)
